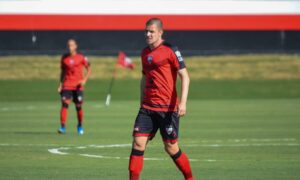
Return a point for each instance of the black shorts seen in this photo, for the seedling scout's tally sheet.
(76, 95)
(148, 122)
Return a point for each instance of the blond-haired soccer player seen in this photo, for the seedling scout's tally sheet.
(160, 106)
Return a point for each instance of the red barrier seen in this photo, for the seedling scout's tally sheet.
(136, 22)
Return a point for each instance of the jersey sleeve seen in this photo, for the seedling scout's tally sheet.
(177, 59)
(85, 61)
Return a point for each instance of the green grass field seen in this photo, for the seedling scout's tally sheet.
(234, 129)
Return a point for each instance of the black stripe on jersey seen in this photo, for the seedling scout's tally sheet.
(177, 54)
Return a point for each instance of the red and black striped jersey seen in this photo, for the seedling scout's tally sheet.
(73, 67)
(160, 68)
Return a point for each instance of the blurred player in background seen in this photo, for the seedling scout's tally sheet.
(72, 81)
(160, 106)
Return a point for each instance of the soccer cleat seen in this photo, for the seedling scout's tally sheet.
(62, 130)
(80, 130)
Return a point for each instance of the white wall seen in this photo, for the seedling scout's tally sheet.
(179, 7)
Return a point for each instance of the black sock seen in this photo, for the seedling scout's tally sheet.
(136, 152)
(176, 156)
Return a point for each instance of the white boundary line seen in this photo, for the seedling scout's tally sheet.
(241, 145)
(59, 151)
(33, 108)
(195, 143)
(204, 143)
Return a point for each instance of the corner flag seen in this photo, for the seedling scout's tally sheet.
(123, 61)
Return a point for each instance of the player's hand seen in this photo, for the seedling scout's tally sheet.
(82, 82)
(59, 88)
(181, 109)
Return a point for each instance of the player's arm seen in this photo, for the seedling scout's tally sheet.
(178, 62)
(142, 86)
(61, 79)
(88, 68)
(185, 82)
(87, 75)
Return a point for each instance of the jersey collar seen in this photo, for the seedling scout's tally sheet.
(162, 42)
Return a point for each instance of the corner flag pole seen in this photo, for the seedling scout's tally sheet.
(123, 61)
(111, 84)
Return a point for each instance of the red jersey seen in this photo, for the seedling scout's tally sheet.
(160, 67)
(73, 67)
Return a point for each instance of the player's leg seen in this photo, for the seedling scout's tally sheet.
(144, 130)
(180, 159)
(78, 100)
(169, 130)
(65, 101)
(136, 160)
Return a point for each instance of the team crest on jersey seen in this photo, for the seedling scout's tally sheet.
(169, 129)
(71, 61)
(150, 59)
(178, 54)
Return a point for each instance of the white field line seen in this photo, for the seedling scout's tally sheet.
(32, 108)
(61, 150)
(222, 143)
(109, 146)
(208, 143)
(241, 145)
(146, 159)
(187, 145)
(249, 140)
(57, 151)
(27, 108)
(8, 144)
(100, 156)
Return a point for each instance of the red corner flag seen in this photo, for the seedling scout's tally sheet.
(125, 61)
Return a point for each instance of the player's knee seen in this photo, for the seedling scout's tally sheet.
(171, 148)
(139, 145)
(78, 106)
(65, 104)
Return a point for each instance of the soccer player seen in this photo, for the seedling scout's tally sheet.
(72, 81)
(160, 106)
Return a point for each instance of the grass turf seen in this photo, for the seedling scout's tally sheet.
(251, 67)
(234, 129)
(242, 122)
(128, 89)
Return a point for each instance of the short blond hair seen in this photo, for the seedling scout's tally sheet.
(158, 22)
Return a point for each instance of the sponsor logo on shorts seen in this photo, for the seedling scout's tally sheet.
(136, 129)
(79, 98)
(169, 129)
